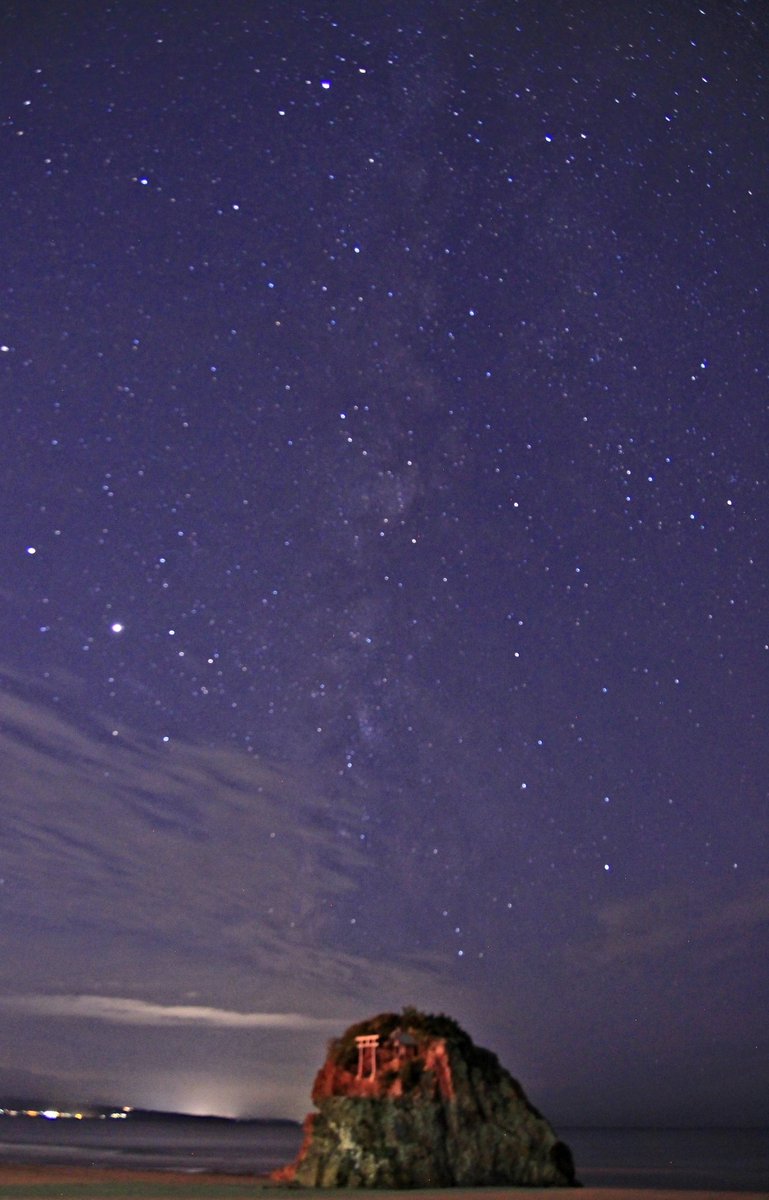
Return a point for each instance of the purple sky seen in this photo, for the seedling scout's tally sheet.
(383, 564)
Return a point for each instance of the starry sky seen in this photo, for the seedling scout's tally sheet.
(383, 568)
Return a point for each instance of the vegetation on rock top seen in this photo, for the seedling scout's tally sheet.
(422, 1027)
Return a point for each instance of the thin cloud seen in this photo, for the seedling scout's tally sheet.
(230, 859)
(118, 852)
(675, 921)
(123, 1011)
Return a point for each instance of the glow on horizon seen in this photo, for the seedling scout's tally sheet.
(198, 1095)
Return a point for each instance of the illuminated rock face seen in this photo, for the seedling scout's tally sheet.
(432, 1110)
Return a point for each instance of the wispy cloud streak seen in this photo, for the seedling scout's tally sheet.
(124, 1011)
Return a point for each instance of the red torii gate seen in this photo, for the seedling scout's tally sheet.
(367, 1042)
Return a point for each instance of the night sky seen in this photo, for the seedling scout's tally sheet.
(383, 566)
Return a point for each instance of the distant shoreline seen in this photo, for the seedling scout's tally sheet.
(102, 1183)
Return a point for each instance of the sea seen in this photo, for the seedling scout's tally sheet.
(687, 1159)
(731, 1160)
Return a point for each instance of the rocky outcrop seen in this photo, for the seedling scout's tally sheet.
(425, 1108)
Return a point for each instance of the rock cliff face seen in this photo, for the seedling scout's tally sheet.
(425, 1107)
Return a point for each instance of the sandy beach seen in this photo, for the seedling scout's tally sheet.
(83, 1183)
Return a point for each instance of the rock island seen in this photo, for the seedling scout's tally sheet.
(408, 1100)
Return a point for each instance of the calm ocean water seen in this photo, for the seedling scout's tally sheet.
(727, 1159)
(734, 1160)
(151, 1143)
